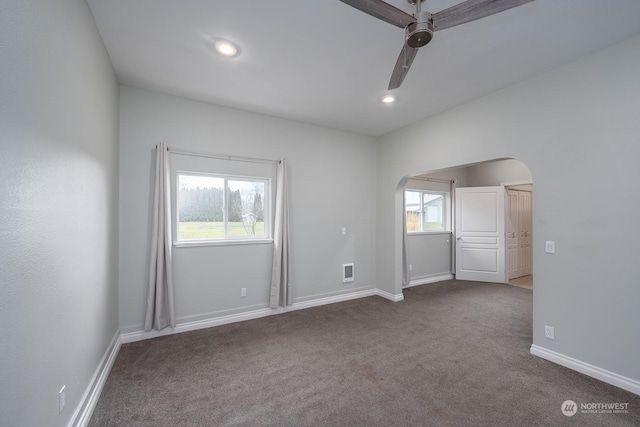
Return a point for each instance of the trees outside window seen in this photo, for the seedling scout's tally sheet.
(213, 207)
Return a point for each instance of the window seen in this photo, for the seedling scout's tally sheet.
(425, 211)
(217, 208)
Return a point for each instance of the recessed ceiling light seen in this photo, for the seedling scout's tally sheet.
(225, 48)
(388, 99)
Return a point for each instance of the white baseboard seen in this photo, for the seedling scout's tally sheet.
(345, 297)
(593, 371)
(198, 324)
(253, 314)
(82, 415)
(316, 302)
(391, 297)
(429, 279)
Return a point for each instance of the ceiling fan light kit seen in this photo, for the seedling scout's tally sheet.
(420, 32)
(420, 26)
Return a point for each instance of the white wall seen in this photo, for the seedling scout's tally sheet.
(496, 173)
(577, 130)
(429, 256)
(58, 216)
(332, 185)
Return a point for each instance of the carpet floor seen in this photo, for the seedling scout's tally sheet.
(453, 353)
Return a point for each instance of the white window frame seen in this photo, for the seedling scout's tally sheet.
(226, 240)
(446, 207)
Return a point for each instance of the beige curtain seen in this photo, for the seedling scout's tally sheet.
(281, 293)
(160, 311)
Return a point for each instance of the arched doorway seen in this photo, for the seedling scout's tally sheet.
(428, 213)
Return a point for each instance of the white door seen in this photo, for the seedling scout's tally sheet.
(480, 243)
(518, 235)
(524, 228)
(512, 234)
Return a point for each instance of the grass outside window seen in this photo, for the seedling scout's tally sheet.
(204, 230)
(215, 208)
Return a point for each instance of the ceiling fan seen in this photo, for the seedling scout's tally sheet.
(419, 27)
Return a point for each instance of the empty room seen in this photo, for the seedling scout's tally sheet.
(297, 213)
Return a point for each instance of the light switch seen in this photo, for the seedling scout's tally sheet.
(344, 231)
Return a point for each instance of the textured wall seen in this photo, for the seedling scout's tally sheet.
(58, 209)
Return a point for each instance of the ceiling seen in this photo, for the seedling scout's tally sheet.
(326, 63)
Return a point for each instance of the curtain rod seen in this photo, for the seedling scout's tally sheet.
(448, 181)
(222, 156)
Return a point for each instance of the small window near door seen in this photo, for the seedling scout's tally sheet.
(425, 211)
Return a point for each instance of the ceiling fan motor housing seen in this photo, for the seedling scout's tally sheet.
(420, 33)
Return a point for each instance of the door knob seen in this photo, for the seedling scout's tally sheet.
(458, 238)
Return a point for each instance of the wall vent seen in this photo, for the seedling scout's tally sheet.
(347, 273)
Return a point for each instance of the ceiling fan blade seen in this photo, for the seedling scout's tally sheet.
(407, 55)
(471, 10)
(382, 10)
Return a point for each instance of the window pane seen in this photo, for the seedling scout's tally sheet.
(246, 208)
(412, 209)
(200, 207)
(433, 212)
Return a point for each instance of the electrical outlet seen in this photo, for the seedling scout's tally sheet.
(410, 267)
(549, 332)
(61, 398)
(550, 247)
(344, 231)
(243, 292)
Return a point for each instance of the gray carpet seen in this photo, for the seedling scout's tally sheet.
(453, 353)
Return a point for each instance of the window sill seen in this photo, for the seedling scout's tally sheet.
(199, 243)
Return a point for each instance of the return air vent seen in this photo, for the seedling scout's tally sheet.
(347, 273)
